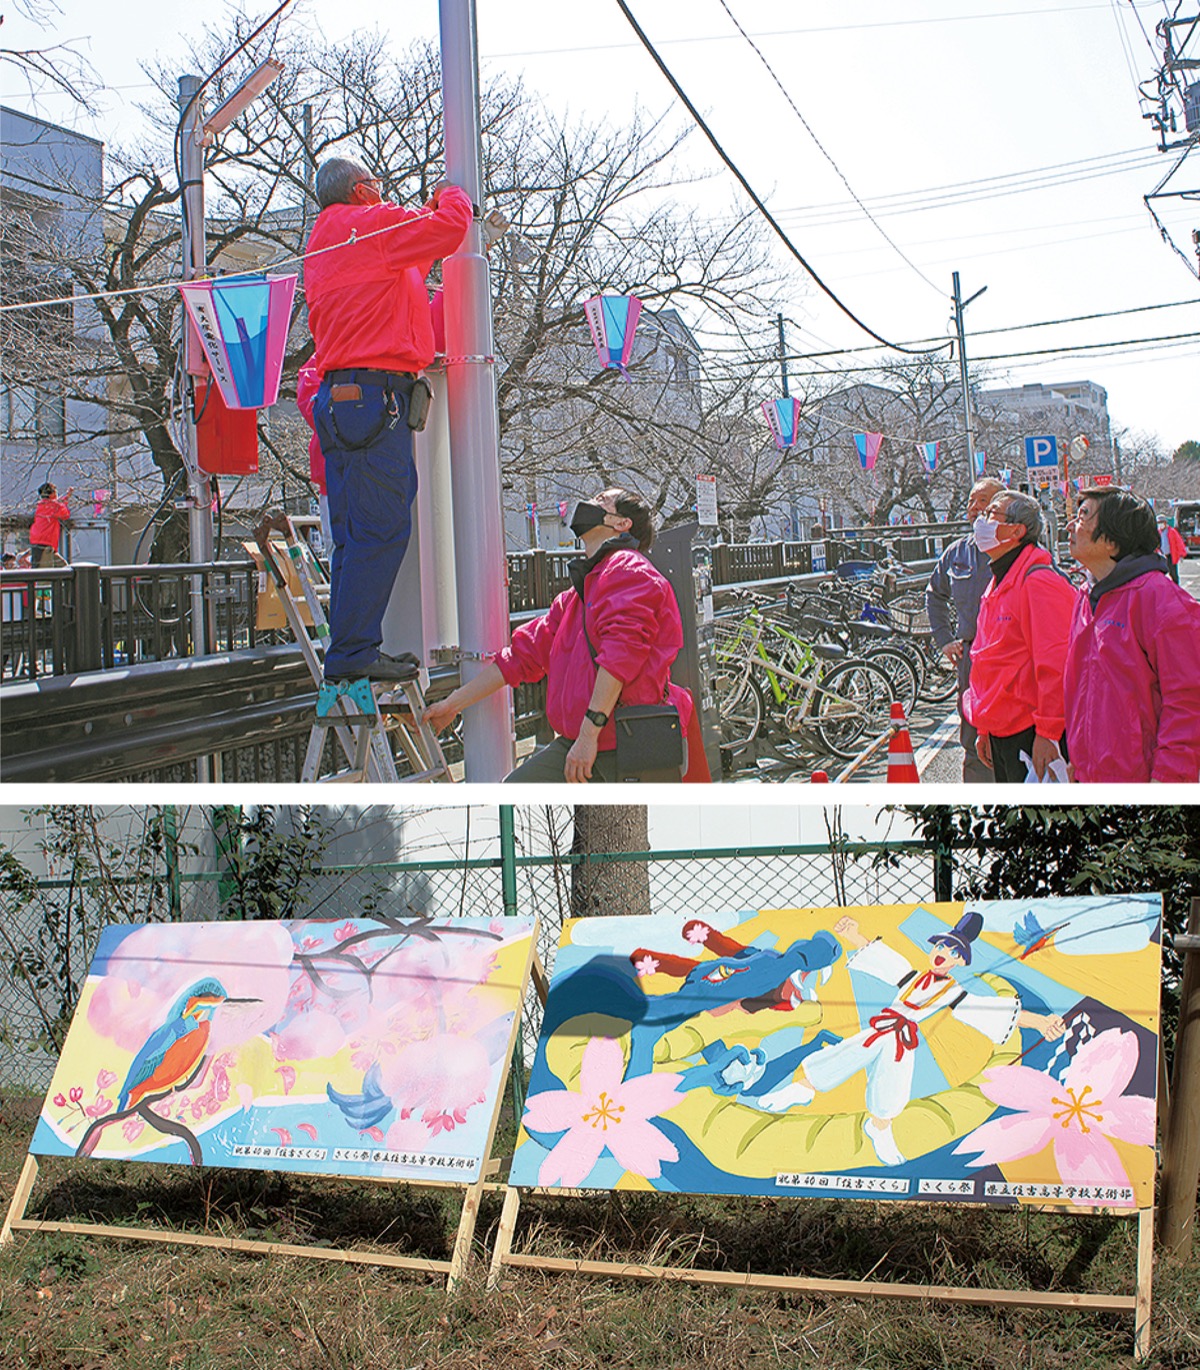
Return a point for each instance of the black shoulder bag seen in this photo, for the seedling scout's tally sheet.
(650, 742)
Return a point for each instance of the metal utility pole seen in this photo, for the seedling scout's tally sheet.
(199, 496)
(959, 305)
(783, 376)
(481, 569)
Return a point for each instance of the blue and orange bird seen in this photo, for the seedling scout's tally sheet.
(1030, 934)
(172, 1055)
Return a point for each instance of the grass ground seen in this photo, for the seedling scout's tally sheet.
(84, 1303)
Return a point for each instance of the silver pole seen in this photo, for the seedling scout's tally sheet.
(959, 306)
(481, 570)
(200, 526)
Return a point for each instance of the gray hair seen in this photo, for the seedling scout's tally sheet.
(1025, 510)
(336, 180)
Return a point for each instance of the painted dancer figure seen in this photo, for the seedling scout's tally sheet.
(886, 1047)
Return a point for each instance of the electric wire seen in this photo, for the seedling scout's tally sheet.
(724, 156)
(825, 153)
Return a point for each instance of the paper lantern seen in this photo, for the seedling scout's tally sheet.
(242, 322)
(226, 439)
(980, 463)
(868, 445)
(613, 320)
(929, 454)
(1005, 475)
(783, 419)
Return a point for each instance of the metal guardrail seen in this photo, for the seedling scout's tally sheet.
(71, 619)
(99, 684)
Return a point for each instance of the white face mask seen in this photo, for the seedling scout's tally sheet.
(984, 532)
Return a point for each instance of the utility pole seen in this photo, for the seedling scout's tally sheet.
(783, 376)
(968, 423)
(195, 264)
(481, 571)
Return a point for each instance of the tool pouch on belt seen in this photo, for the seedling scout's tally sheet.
(419, 401)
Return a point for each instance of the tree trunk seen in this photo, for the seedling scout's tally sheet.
(606, 887)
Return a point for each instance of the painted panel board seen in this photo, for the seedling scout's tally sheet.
(998, 1052)
(366, 1046)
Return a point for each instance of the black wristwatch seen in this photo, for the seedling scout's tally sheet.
(596, 717)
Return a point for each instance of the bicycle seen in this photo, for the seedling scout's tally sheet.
(766, 673)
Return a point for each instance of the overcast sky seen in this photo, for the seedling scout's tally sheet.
(1008, 131)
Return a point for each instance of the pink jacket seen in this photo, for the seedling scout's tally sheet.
(308, 382)
(633, 622)
(1133, 679)
(1019, 650)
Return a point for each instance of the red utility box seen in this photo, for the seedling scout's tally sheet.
(227, 438)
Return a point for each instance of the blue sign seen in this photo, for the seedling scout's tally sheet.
(1040, 452)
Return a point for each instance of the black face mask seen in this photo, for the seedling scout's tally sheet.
(586, 517)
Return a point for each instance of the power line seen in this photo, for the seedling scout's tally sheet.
(821, 148)
(746, 186)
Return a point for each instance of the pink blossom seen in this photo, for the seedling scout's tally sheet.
(285, 1137)
(287, 1075)
(100, 1107)
(346, 930)
(374, 1133)
(132, 1128)
(76, 1093)
(646, 966)
(697, 933)
(606, 1112)
(308, 1129)
(60, 1100)
(105, 1078)
(407, 1134)
(308, 943)
(1078, 1115)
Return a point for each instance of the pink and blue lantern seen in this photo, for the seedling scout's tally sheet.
(783, 419)
(868, 445)
(980, 463)
(242, 323)
(929, 454)
(1006, 475)
(613, 320)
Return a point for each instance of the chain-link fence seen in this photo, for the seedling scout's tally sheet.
(49, 926)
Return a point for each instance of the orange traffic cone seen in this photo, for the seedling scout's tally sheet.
(902, 765)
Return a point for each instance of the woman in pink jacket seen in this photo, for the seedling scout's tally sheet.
(1132, 681)
(634, 625)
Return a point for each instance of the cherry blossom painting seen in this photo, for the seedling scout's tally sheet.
(362, 1046)
(999, 1052)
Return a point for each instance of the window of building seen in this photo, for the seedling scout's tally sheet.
(32, 413)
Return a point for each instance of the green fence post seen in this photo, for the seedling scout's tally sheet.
(508, 886)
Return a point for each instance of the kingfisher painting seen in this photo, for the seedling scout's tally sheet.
(172, 1056)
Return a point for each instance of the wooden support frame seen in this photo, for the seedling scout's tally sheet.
(1138, 1303)
(454, 1269)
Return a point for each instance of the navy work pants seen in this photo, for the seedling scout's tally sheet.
(372, 483)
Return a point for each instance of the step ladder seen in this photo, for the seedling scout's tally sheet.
(364, 715)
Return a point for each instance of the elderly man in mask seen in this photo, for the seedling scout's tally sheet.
(1015, 695)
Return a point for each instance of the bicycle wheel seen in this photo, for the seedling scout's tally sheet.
(941, 676)
(739, 706)
(853, 705)
(906, 682)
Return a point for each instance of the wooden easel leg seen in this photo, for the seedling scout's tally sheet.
(504, 1235)
(1145, 1269)
(16, 1209)
(466, 1235)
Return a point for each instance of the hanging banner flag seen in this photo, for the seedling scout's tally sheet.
(1062, 488)
(1006, 475)
(783, 419)
(562, 509)
(929, 454)
(706, 501)
(1102, 480)
(242, 322)
(980, 463)
(613, 320)
(99, 499)
(868, 445)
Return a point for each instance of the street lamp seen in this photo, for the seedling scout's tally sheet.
(193, 135)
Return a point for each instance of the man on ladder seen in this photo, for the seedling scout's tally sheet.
(369, 314)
